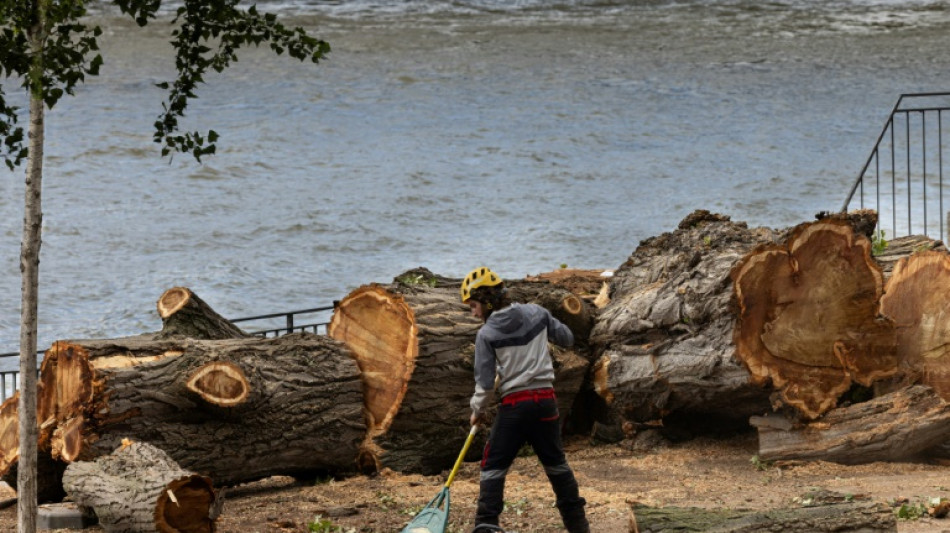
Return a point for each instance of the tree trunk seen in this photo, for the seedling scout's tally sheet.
(139, 488)
(916, 300)
(809, 316)
(861, 517)
(665, 338)
(184, 314)
(235, 410)
(414, 342)
(904, 425)
(30, 272)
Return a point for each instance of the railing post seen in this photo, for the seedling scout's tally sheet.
(290, 322)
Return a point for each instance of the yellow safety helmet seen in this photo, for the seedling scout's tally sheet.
(480, 277)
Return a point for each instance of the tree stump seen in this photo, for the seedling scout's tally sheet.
(414, 343)
(139, 488)
(809, 321)
(184, 313)
(235, 410)
(905, 425)
(916, 300)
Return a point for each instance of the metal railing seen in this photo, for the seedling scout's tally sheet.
(903, 178)
(312, 320)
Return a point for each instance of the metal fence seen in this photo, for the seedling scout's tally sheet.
(313, 320)
(903, 178)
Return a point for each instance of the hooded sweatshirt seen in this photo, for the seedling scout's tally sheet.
(513, 346)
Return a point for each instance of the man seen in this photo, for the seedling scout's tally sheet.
(512, 349)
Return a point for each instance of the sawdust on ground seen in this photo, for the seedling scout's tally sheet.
(704, 473)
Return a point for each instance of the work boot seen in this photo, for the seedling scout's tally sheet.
(575, 520)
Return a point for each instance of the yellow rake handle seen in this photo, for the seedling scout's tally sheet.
(458, 462)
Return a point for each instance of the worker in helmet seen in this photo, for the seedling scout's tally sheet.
(512, 349)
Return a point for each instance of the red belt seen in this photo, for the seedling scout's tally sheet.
(528, 395)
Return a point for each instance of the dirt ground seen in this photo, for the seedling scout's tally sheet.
(701, 473)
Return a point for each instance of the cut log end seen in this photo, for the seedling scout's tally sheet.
(809, 318)
(9, 433)
(379, 328)
(915, 298)
(220, 383)
(172, 301)
(185, 505)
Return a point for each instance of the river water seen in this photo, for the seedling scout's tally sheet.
(522, 135)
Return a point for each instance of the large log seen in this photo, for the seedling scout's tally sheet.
(665, 338)
(904, 425)
(915, 298)
(235, 410)
(140, 488)
(414, 343)
(809, 316)
(716, 322)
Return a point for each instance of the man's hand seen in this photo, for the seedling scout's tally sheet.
(477, 419)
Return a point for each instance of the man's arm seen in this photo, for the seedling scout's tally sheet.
(484, 375)
(558, 333)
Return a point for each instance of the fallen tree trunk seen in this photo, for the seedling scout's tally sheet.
(235, 410)
(900, 426)
(414, 343)
(707, 322)
(140, 488)
(665, 338)
(856, 517)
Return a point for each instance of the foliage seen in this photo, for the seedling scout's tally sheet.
(761, 464)
(910, 511)
(878, 243)
(417, 279)
(208, 35)
(325, 525)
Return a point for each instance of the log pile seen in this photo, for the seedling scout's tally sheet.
(708, 326)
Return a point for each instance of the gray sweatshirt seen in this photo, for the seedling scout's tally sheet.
(513, 345)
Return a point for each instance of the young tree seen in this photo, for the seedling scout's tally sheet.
(45, 45)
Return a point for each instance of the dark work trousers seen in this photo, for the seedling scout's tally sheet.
(533, 418)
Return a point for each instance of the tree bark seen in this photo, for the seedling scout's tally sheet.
(139, 487)
(860, 517)
(184, 314)
(235, 410)
(665, 338)
(915, 298)
(414, 343)
(904, 425)
(809, 317)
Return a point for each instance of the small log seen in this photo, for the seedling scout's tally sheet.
(140, 488)
(916, 300)
(809, 321)
(290, 405)
(184, 314)
(863, 517)
(414, 343)
(901, 426)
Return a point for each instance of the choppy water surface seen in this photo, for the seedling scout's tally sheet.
(521, 135)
